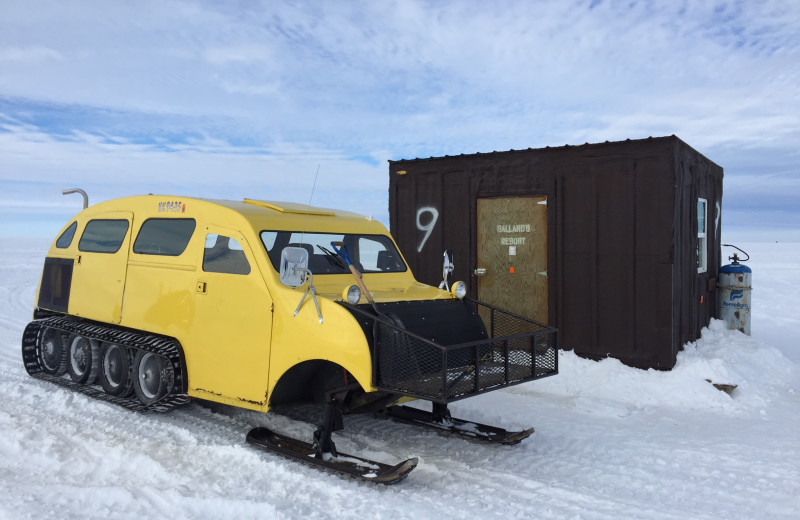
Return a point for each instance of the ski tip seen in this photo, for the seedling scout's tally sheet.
(395, 473)
(516, 437)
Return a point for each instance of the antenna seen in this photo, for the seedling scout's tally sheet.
(313, 186)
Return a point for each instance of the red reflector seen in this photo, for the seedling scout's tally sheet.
(511, 270)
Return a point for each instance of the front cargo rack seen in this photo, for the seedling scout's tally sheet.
(513, 350)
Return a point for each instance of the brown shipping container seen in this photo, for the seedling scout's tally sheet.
(616, 244)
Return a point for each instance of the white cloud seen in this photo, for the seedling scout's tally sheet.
(256, 89)
(239, 54)
(179, 94)
(28, 54)
(205, 167)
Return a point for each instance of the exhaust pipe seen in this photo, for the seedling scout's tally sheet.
(76, 190)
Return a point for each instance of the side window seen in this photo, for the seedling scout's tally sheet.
(369, 251)
(66, 237)
(702, 235)
(376, 255)
(269, 238)
(103, 236)
(164, 236)
(224, 255)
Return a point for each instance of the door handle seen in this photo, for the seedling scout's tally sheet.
(201, 287)
(481, 271)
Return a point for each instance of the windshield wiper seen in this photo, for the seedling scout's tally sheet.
(333, 258)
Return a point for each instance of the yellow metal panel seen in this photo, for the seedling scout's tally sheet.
(230, 332)
(285, 207)
(339, 339)
(98, 279)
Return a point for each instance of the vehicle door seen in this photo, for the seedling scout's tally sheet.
(231, 332)
(99, 271)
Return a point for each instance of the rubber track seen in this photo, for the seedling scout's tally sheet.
(159, 345)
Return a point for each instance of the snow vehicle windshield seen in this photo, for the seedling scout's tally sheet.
(369, 253)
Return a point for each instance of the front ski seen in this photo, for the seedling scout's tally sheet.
(349, 465)
(443, 421)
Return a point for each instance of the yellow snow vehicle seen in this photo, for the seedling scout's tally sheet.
(150, 301)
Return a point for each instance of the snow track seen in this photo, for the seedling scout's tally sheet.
(610, 442)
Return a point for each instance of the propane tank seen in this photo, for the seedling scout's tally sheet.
(735, 285)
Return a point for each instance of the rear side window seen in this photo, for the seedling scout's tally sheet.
(164, 236)
(103, 236)
(66, 237)
(224, 255)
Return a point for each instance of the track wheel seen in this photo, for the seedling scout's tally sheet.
(83, 359)
(152, 380)
(115, 370)
(52, 352)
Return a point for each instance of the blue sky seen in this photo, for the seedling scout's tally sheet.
(233, 99)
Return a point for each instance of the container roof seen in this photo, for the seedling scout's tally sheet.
(566, 146)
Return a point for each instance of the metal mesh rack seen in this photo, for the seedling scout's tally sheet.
(517, 350)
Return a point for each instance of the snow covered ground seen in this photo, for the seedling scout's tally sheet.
(610, 442)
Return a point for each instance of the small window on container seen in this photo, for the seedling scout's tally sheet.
(66, 237)
(164, 236)
(224, 255)
(103, 236)
(702, 235)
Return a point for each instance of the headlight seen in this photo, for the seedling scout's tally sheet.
(459, 290)
(352, 294)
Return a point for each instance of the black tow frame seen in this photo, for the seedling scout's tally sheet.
(511, 350)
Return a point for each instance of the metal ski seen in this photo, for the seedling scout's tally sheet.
(349, 465)
(441, 419)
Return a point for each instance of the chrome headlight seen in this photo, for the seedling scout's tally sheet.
(459, 290)
(352, 294)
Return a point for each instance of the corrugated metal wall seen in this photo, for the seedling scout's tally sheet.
(622, 235)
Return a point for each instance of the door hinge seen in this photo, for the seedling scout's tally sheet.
(542, 273)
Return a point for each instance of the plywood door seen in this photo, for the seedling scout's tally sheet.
(512, 248)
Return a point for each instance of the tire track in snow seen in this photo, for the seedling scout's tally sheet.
(20, 274)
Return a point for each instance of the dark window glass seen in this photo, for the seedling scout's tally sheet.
(164, 236)
(369, 253)
(56, 282)
(224, 255)
(65, 239)
(103, 236)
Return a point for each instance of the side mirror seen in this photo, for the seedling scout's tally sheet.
(294, 266)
